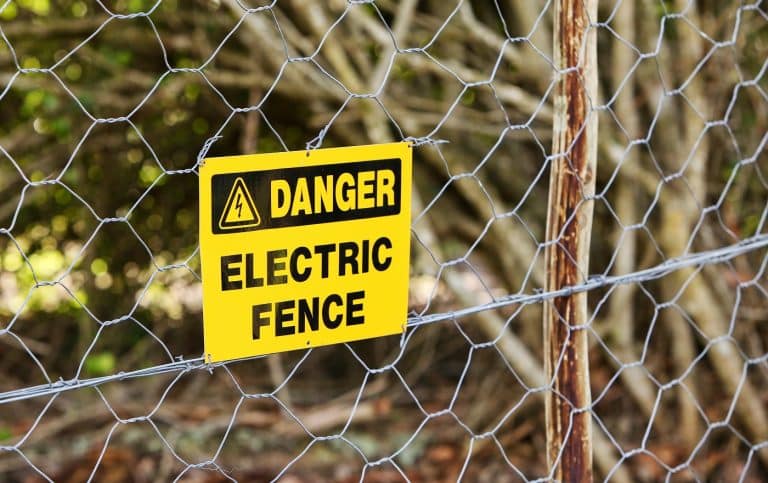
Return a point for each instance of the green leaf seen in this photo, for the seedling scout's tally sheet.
(100, 364)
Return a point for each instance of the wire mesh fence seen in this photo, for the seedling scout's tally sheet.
(108, 107)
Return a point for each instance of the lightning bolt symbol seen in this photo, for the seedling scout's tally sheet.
(238, 205)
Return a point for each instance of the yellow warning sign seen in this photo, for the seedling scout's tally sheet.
(239, 211)
(303, 249)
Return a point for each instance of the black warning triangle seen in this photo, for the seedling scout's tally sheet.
(239, 211)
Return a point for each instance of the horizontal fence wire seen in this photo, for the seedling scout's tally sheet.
(694, 260)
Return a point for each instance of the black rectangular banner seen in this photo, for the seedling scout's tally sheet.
(258, 200)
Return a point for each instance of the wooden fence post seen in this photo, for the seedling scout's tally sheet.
(569, 223)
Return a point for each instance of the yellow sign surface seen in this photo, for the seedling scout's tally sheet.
(305, 248)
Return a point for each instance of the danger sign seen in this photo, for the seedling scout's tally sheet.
(302, 249)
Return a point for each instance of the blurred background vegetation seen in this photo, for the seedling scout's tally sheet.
(105, 106)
